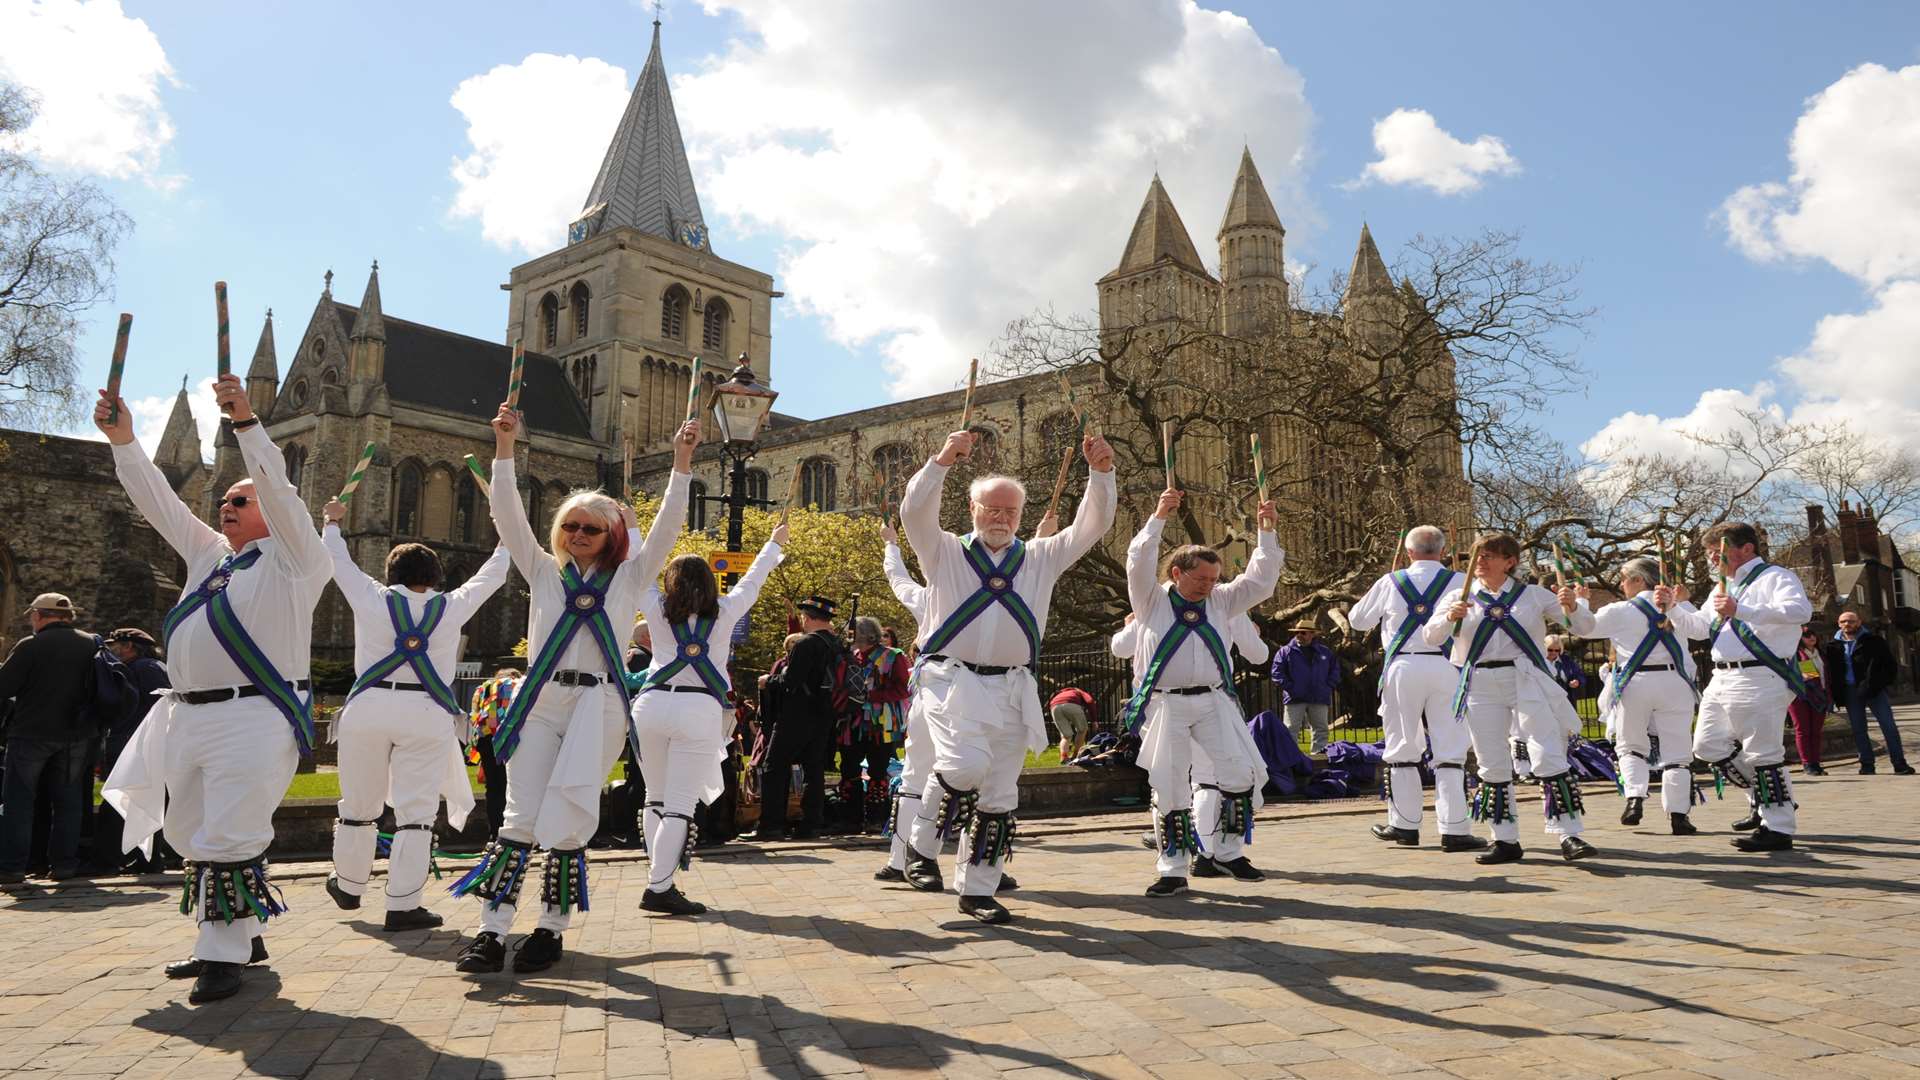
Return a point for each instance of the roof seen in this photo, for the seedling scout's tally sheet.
(1369, 274)
(266, 364)
(645, 181)
(1159, 236)
(439, 369)
(1249, 205)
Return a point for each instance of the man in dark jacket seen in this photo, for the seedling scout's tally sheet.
(146, 674)
(49, 677)
(803, 726)
(1860, 668)
(1306, 672)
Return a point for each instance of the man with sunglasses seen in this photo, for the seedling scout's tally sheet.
(213, 758)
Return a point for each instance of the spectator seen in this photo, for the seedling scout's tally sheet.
(1072, 710)
(147, 674)
(876, 728)
(1566, 670)
(49, 678)
(802, 727)
(1808, 711)
(1861, 667)
(1306, 672)
(490, 702)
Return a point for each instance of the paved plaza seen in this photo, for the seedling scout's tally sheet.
(1665, 957)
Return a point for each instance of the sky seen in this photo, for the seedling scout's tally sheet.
(1733, 180)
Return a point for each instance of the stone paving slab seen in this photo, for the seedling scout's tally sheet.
(1665, 957)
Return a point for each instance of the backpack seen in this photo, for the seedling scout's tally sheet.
(111, 695)
(850, 679)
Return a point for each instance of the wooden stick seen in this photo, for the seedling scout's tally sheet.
(966, 405)
(1559, 566)
(1466, 586)
(693, 389)
(486, 485)
(626, 468)
(1166, 448)
(793, 494)
(1399, 549)
(517, 374)
(1260, 468)
(119, 366)
(358, 473)
(1060, 482)
(224, 346)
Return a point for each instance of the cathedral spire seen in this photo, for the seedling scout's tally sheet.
(266, 365)
(1159, 236)
(1369, 276)
(644, 181)
(368, 324)
(1249, 205)
(180, 440)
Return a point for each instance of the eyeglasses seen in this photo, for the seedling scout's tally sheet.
(238, 502)
(571, 527)
(997, 511)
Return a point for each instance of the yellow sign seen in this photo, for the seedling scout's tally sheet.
(729, 562)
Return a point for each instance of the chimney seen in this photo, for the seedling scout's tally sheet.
(1823, 588)
(1849, 534)
(1867, 535)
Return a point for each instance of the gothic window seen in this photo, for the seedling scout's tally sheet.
(894, 465)
(585, 369)
(329, 376)
(319, 350)
(436, 505)
(298, 394)
(408, 482)
(818, 480)
(697, 506)
(757, 484)
(578, 300)
(550, 320)
(673, 314)
(466, 509)
(713, 333)
(296, 458)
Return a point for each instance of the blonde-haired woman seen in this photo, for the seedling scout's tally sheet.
(681, 717)
(562, 733)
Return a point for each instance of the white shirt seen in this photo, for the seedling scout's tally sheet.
(1773, 603)
(645, 559)
(373, 636)
(734, 604)
(1191, 664)
(273, 599)
(1385, 607)
(1625, 624)
(994, 637)
(1530, 611)
(1246, 638)
(910, 593)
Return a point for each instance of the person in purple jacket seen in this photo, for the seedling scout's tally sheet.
(1307, 671)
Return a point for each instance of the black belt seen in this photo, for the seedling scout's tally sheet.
(209, 697)
(981, 669)
(1410, 652)
(1185, 691)
(688, 690)
(1656, 667)
(399, 686)
(1731, 665)
(1486, 664)
(577, 678)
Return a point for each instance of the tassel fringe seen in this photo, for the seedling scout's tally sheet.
(1493, 802)
(497, 877)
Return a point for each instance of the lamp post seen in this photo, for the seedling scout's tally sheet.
(741, 405)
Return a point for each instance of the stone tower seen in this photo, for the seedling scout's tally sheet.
(1253, 278)
(367, 344)
(1371, 305)
(1160, 275)
(637, 293)
(263, 375)
(178, 453)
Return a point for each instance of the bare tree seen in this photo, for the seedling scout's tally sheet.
(1851, 468)
(56, 260)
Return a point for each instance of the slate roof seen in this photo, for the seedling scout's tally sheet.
(645, 180)
(1249, 204)
(1159, 236)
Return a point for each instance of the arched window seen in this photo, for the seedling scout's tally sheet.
(329, 376)
(757, 485)
(466, 509)
(578, 300)
(893, 466)
(319, 350)
(673, 314)
(986, 449)
(409, 480)
(436, 505)
(697, 506)
(296, 458)
(550, 320)
(819, 481)
(585, 370)
(713, 332)
(298, 394)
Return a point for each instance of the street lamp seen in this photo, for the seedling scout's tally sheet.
(741, 405)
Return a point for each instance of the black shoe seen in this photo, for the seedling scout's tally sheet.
(670, 902)
(190, 969)
(1007, 884)
(68, 873)
(536, 952)
(1461, 842)
(1813, 770)
(1636, 806)
(1681, 824)
(1898, 770)
(1403, 837)
(1502, 851)
(1866, 770)
(1243, 869)
(986, 909)
(1764, 839)
(1203, 866)
(217, 980)
(485, 954)
(761, 835)
(800, 834)
(412, 919)
(1748, 823)
(889, 874)
(1573, 848)
(12, 877)
(1167, 886)
(342, 899)
(924, 874)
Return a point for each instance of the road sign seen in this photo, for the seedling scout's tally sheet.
(729, 562)
(740, 628)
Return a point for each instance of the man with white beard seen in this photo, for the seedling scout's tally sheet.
(987, 596)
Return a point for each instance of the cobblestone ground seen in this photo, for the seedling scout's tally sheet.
(1664, 957)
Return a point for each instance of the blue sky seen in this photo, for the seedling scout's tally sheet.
(307, 138)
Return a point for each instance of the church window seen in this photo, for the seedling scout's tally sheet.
(673, 314)
(329, 376)
(296, 459)
(319, 350)
(713, 333)
(697, 506)
(578, 300)
(757, 485)
(585, 370)
(818, 479)
(535, 507)
(550, 320)
(298, 394)
(436, 505)
(894, 465)
(406, 499)
(466, 509)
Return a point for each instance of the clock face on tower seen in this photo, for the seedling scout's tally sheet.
(577, 231)
(694, 236)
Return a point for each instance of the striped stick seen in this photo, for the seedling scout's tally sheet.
(693, 389)
(1398, 550)
(359, 472)
(1060, 482)
(1166, 449)
(518, 374)
(1473, 557)
(793, 495)
(1260, 467)
(119, 366)
(966, 405)
(486, 484)
(225, 344)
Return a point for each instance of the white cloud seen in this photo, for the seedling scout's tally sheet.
(1717, 412)
(928, 174)
(98, 74)
(150, 416)
(538, 129)
(1416, 150)
(1850, 199)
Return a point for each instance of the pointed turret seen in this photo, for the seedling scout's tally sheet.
(645, 182)
(179, 450)
(1369, 276)
(1248, 205)
(263, 375)
(367, 344)
(368, 324)
(1253, 277)
(1159, 236)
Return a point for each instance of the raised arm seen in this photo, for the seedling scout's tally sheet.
(149, 490)
(475, 591)
(1125, 639)
(920, 503)
(509, 514)
(288, 520)
(1143, 560)
(665, 530)
(362, 592)
(1095, 514)
(905, 589)
(1263, 570)
(747, 589)
(1246, 638)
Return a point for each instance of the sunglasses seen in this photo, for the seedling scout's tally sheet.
(571, 527)
(238, 502)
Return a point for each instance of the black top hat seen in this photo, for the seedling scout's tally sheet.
(818, 606)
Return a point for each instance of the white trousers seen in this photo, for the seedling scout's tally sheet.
(535, 800)
(1416, 709)
(915, 769)
(228, 765)
(393, 745)
(1493, 708)
(980, 749)
(1660, 704)
(681, 737)
(1746, 710)
(1184, 721)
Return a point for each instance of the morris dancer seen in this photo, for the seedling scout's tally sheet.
(397, 733)
(1649, 697)
(563, 731)
(682, 720)
(1504, 674)
(1184, 695)
(1758, 609)
(987, 597)
(1416, 696)
(213, 759)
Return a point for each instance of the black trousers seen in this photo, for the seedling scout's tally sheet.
(867, 801)
(808, 746)
(493, 772)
